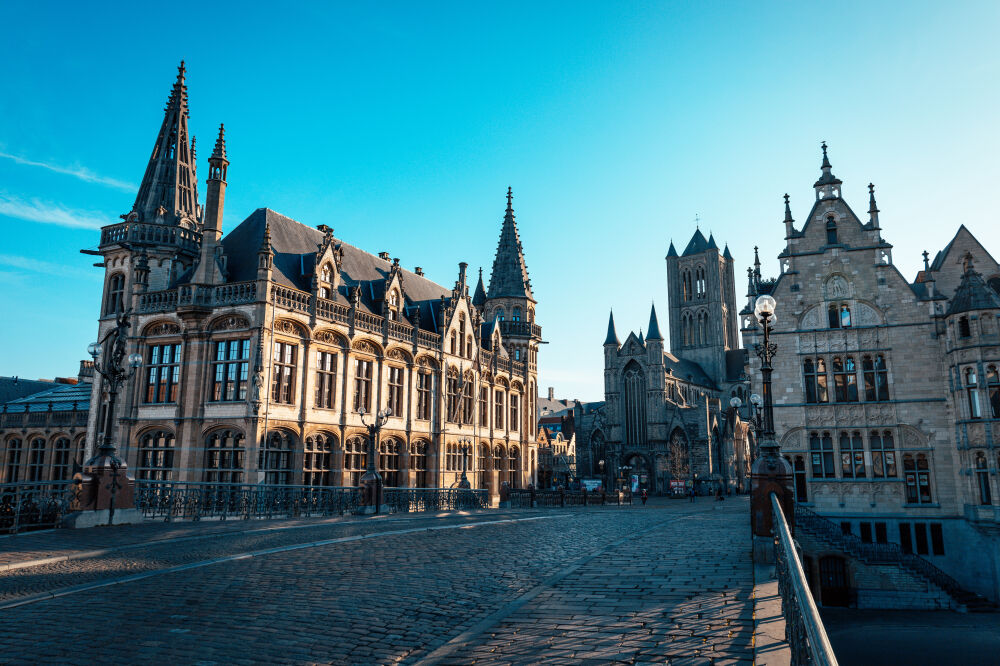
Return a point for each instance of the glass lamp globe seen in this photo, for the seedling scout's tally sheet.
(94, 349)
(736, 402)
(765, 307)
(134, 360)
(361, 411)
(756, 400)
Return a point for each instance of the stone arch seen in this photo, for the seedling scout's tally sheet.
(163, 326)
(229, 321)
(399, 354)
(331, 337)
(791, 439)
(291, 327)
(367, 346)
(426, 361)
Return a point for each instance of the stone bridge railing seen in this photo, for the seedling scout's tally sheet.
(804, 630)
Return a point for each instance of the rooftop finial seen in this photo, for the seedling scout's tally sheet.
(826, 160)
(927, 263)
(697, 220)
(788, 209)
(510, 199)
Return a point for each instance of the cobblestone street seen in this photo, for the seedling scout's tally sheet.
(667, 583)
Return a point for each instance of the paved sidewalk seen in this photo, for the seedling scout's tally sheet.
(663, 583)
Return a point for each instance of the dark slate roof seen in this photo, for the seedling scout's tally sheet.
(688, 371)
(62, 397)
(612, 337)
(726, 254)
(294, 245)
(711, 242)
(973, 294)
(509, 276)
(654, 325)
(697, 244)
(735, 362)
(479, 296)
(672, 252)
(12, 388)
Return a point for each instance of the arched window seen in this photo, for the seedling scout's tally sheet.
(993, 389)
(983, 479)
(324, 292)
(468, 401)
(845, 380)
(224, 451)
(883, 455)
(831, 231)
(326, 275)
(822, 390)
(115, 299)
(275, 459)
(13, 462)
(634, 404)
(852, 456)
(388, 464)
(418, 463)
(454, 343)
(686, 285)
(809, 373)
(354, 461)
(964, 330)
(845, 315)
(972, 388)
(316, 456)
(468, 346)
(36, 460)
(918, 478)
(514, 466)
(499, 407)
(515, 412)
(516, 314)
(61, 459)
(821, 450)
(834, 315)
(499, 314)
(156, 456)
(484, 466)
(499, 464)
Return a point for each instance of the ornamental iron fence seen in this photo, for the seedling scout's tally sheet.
(530, 498)
(407, 500)
(34, 505)
(804, 630)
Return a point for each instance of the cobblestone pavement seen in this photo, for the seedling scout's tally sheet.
(666, 583)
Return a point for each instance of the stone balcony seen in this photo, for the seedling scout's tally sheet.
(138, 233)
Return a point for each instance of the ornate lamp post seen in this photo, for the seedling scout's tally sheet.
(600, 467)
(371, 480)
(755, 419)
(770, 472)
(102, 489)
(465, 446)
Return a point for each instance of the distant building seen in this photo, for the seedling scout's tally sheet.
(556, 458)
(43, 426)
(887, 391)
(666, 414)
(260, 346)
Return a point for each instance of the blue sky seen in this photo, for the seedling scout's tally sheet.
(402, 124)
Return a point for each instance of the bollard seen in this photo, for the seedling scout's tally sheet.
(533, 504)
(562, 497)
(585, 496)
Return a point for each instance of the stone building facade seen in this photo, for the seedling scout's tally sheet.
(260, 346)
(886, 391)
(666, 414)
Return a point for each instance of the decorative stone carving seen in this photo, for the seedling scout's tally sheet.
(811, 320)
(837, 287)
(163, 328)
(329, 337)
(230, 323)
(365, 346)
(399, 355)
(290, 327)
(977, 434)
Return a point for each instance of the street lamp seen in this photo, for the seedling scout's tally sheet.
(770, 472)
(371, 480)
(754, 418)
(465, 445)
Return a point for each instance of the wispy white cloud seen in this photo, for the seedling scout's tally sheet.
(49, 213)
(82, 173)
(49, 267)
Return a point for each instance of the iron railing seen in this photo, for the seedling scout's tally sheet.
(191, 500)
(889, 552)
(34, 505)
(407, 500)
(526, 499)
(804, 631)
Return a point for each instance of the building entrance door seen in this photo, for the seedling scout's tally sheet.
(834, 590)
(640, 472)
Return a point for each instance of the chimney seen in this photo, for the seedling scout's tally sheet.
(552, 393)
(86, 373)
(384, 256)
(419, 271)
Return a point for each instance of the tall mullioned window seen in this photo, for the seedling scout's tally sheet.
(876, 377)
(13, 461)
(831, 231)
(229, 370)
(972, 389)
(845, 380)
(515, 413)
(114, 302)
(852, 456)
(453, 405)
(468, 402)
(424, 380)
(283, 373)
(809, 374)
(326, 380)
(156, 456)
(363, 384)
(224, 457)
(993, 390)
(354, 460)
(634, 404)
(162, 372)
(821, 452)
(316, 454)
(983, 479)
(883, 454)
(498, 409)
(418, 463)
(917, 475)
(395, 402)
(275, 459)
(484, 406)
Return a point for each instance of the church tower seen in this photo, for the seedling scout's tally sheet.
(702, 292)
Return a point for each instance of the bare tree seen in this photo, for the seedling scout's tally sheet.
(679, 462)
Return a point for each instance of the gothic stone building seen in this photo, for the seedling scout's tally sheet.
(260, 347)
(666, 414)
(887, 393)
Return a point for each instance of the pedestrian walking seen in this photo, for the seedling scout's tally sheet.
(692, 493)
(645, 496)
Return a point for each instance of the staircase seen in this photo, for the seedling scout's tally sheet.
(830, 533)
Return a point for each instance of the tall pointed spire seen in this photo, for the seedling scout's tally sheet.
(672, 251)
(479, 296)
(654, 325)
(612, 337)
(509, 277)
(872, 207)
(788, 210)
(169, 190)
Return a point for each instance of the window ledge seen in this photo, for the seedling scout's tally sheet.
(933, 505)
